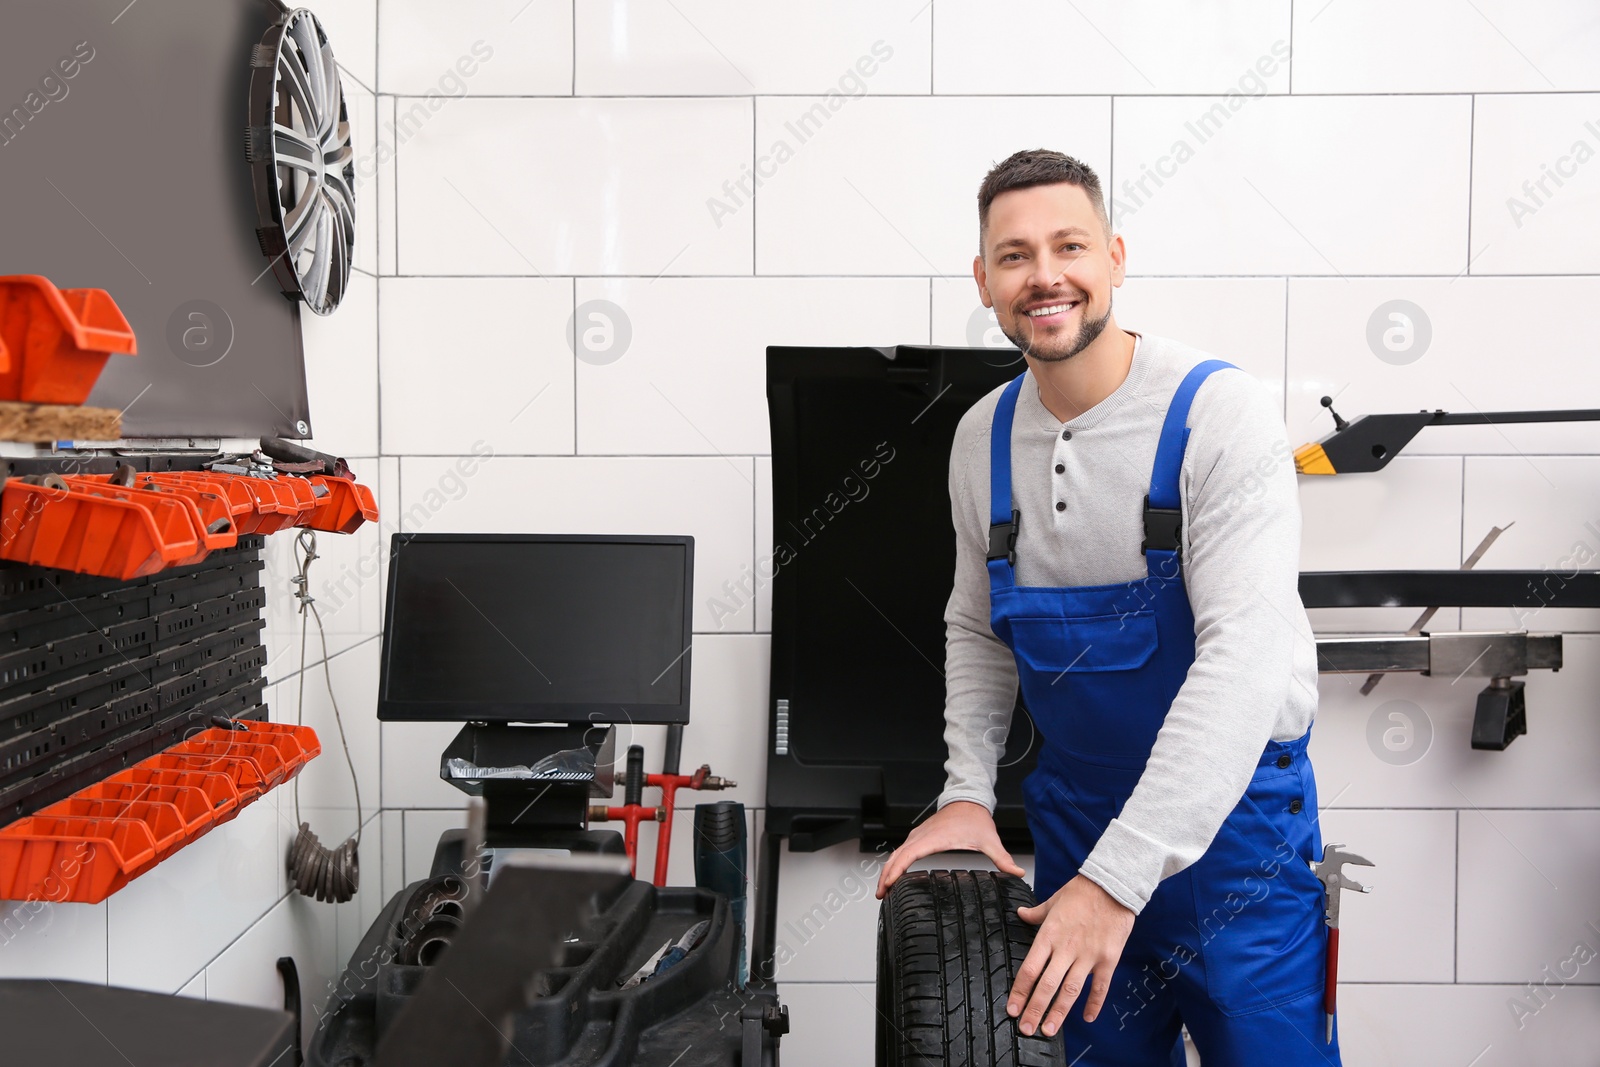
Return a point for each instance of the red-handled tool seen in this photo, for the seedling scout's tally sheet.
(1330, 873)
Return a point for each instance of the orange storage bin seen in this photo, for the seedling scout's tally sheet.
(167, 827)
(55, 342)
(189, 803)
(245, 775)
(267, 758)
(346, 506)
(213, 509)
(240, 502)
(63, 858)
(94, 532)
(217, 788)
(156, 500)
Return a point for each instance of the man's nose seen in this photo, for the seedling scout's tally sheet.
(1046, 274)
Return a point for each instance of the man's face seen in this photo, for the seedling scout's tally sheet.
(1048, 270)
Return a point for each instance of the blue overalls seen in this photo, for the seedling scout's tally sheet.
(1234, 945)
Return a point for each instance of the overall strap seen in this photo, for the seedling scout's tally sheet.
(1003, 517)
(1163, 510)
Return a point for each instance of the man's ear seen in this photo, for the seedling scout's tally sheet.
(981, 277)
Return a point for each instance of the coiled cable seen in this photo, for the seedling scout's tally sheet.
(315, 869)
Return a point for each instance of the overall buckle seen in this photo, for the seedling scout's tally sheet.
(1003, 539)
(1162, 527)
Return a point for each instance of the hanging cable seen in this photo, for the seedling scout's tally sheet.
(314, 869)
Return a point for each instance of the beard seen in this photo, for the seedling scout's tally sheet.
(1055, 348)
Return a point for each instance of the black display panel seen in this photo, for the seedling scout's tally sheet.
(863, 561)
(537, 628)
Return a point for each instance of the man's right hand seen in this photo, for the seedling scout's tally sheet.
(960, 826)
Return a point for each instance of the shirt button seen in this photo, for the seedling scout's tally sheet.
(1061, 468)
(1061, 505)
(1294, 807)
(1066, 435)
(1283, 761)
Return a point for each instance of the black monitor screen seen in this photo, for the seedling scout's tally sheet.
(537, 628)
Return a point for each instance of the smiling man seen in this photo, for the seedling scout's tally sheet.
(1128, 533)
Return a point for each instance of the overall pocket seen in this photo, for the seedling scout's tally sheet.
(1075, 644)
(1259, 908)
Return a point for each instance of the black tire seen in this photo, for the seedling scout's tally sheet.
(949, 946)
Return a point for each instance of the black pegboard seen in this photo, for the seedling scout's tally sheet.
(97, 674)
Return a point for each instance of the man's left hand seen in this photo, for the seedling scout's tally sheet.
(1082, 931)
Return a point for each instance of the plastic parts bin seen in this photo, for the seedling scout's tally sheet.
(55, 342)
(91, 844)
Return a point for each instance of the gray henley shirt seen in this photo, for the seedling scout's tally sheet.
(1254, 674)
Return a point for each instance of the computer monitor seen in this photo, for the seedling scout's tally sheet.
(537, 628)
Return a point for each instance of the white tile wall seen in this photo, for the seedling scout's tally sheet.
(486, 185)
(1247, 185)
(494, 345)
(1432, 46)
(1532, 183)
(693, 380)
(609, 151)
(1036, 47)
(480, 47)
(885, 185)
(714, 47)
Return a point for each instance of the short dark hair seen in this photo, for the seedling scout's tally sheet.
(1038, 166)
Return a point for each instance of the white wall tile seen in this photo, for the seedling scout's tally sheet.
(829, 1022)
(710, 498)
(247, 972)
(1550, 507)
(487, 186)
(1534, 185)
(325, 782)
(1528, 885)
(1435, 46)
(1405, 1025)
(1264, 187)
(495, 345)
(385, 154)
(655, 47)
(40, 939)
(478, 47)
(362, 107)
(1406, 516)
(1021, 46)
(1408, 743)
(887, 185)
(195, 988)
(1467, 366)
(693, 377)
(351, 26)
(171, 921)
(411, 765)
(342, 372)
(392, 828)
(1403, 930)
(728, 716)
(422, 830)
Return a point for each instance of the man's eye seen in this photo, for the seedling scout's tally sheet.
(1008, 255)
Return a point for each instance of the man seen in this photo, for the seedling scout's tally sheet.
(1128, 533)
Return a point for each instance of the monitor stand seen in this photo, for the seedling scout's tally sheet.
(549, 809)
